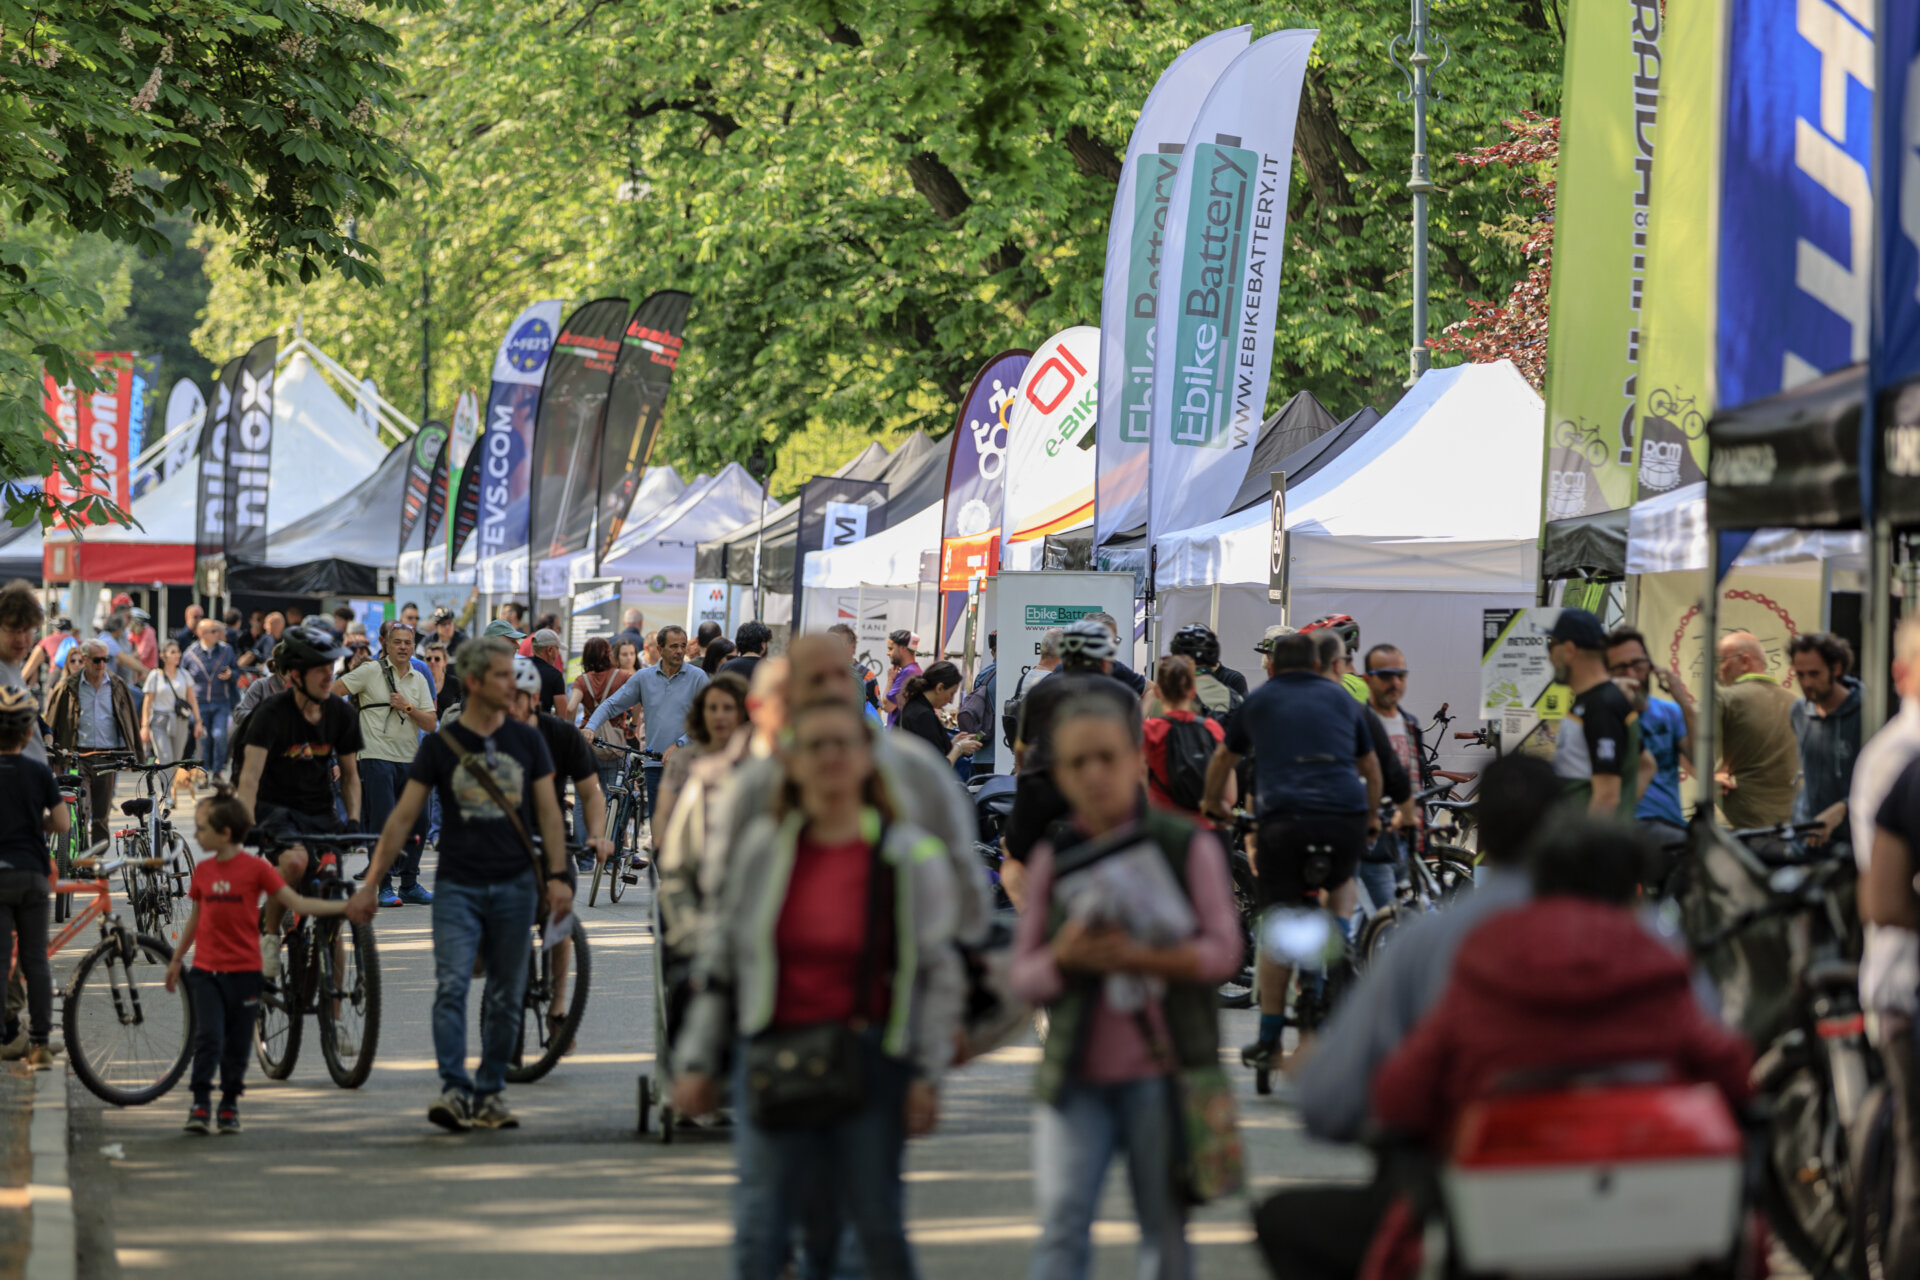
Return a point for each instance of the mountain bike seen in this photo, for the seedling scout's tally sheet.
(330, 968)
(159, 868)
(1432, 875)
(626, 809)
(128, 1038)
(70, 773)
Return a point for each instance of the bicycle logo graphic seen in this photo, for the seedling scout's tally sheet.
(1580, 439)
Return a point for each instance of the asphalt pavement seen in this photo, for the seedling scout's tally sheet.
(332, 1182)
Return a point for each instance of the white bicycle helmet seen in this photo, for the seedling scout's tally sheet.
(526, 676)
(1085, 643)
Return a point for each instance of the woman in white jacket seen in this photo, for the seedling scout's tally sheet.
(835, 928)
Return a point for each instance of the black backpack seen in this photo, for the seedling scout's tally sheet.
(1189, 750)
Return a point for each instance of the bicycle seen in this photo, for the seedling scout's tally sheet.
(153, 891)
(128, 1039)
(1431, 877)
(626, 809)
(333, 977)
(71, 776)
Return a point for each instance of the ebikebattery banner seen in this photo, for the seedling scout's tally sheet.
(567, 428)
(493, 504)
(1796, 197)
(210, 510)
(249, 460)
(1220, 265)
(643, 375)
(976, 481)
(1675, 378)
(428, 444)
(1049, 476)
(1130, 290)
(97, 424)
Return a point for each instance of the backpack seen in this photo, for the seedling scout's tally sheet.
(1189, 749)
(976, 709)
(1219, 702)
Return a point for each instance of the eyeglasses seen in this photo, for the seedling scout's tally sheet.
(826, 745)
(1389, 673)
(436, 657)
(96, 662)
(1633, 667)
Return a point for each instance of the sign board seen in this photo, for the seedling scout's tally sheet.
(844, 523)
(592, 610)
(1514, 670)
(1277, 540)
(706, 602)
(1026, 605)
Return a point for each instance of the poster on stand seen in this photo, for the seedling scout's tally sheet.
(1028, 605)
(593, 612)
(1514, 670)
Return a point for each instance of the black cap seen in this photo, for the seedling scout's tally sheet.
(1579, 628)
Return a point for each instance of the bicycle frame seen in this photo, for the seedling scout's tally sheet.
(100, 908)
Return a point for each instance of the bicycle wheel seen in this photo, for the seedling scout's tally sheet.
(1376, 932)
(128, 1039)
(277, 1029)
(349, 992)
(617, 867)
(536, 1033)
(1805, 1195)
(1453, 869)
(1873, 1144)
(1237, 992)
(593, 891)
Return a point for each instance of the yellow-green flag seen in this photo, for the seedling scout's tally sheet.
(1610, 102)
(1677, 323)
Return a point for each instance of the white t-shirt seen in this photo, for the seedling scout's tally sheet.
(1032, 678)
(166, 694)
(1397, 735)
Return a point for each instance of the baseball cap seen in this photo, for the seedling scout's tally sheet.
(1274, 633)
(546, 638)
(442, 614)
(1579, 628)
(504, 629)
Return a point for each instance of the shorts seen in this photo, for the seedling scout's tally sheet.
(273, 824)
(1037, 805)
(1332, 842)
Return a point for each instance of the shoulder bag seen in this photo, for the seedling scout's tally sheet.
(476, 766)
(610, 732)
(809, 1077)
(1208, 1162)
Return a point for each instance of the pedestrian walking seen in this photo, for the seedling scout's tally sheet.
(395, 703)
(91, 711)
(213, 666)
(223, 932)
(832, 943)
(30, 809)
(597, 681)
(170, 713)
(1130, 1001)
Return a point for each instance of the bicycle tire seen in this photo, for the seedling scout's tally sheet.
(1454, 868)
(279, 1025)
(1237, 992)
(350, 1069)
(593, 891)
(552, 1045)
(1804, 1203)
(1874, 1160)
(617, 875)
(111, 1076)
(1375, 933)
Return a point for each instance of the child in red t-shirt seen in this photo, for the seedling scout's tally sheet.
(225, 980)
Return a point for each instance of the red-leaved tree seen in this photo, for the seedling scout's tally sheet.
(1517, 329)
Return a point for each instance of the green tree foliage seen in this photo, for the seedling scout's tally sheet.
(163, 304)
(259, 117)
(869, 197)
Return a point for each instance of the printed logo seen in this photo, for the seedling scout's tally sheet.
(528, 347)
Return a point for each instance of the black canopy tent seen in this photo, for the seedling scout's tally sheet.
(1588, 547)
(350, 547)
(1790, 461)
(1296, 427)
(715, 559)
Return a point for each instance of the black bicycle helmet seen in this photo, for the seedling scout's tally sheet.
(18, 708)
(1196, 641)
(300, 650)
(1085, 643)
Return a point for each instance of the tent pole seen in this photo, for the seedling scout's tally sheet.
(1876, 627)
(1705, 749)
(1213, 609)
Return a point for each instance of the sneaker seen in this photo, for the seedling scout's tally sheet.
(1261, 1055)
(417, 894)
(491, 1113)
(452, 1110)
(229, 1121)
(13, 1042)
(198, 1119)
(361, 874)
(388, 898)
(269, 956)
(40, 1058)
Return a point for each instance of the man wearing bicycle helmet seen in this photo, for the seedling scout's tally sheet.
(293, 741)
(1343, 626)
(1086, 658)
(29, 808)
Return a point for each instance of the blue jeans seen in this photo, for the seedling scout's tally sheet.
(1073, 1141)
(609, 774)
(215, 720)
(780, 1184)
(1381, 878)
(494, 921)
(381, 782)
(652, 776)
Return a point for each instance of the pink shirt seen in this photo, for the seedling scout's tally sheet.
(1115, 1049)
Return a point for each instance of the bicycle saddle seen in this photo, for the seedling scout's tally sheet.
(68, 780)
(1455, 778)
(139, 808)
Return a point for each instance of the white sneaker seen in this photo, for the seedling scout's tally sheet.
(269, 957)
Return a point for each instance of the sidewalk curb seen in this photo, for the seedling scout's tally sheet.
(51, 1255)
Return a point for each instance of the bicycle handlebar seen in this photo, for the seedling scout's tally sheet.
(632, 751)
(171, 764)
(335, 840)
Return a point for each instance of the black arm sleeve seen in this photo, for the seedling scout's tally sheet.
(1605, 724)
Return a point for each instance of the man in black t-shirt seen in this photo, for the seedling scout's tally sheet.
(487, 892)
(294, 740)
(1889, 904)
(1595, 747)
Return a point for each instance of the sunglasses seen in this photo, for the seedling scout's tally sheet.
(1389, 672)
(96, 662)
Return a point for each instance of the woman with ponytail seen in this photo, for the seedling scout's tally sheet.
(923, 697)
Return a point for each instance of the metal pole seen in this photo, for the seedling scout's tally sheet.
(1876, 628)
(1421, 185)
(426, 340)
(759, 532)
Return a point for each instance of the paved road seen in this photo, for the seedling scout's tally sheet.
(328, 1182)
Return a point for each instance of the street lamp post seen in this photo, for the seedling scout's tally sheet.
(760, 467)
(1418, 68)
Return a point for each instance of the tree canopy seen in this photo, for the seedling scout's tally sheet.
(261, 118)
(867, 198)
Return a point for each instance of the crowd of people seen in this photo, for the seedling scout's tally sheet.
(825, 903)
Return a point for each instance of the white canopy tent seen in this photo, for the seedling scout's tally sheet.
(661, 487)
(1669, 534)
(877, 580)
(1431, 517)
(654, 558)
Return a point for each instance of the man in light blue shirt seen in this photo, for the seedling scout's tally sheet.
(1666, 731)
(664, 694)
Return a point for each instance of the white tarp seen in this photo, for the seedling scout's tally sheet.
(1669, 533)
(891, 558)
(660, 488)
(320, 450)
(654, 559)
(1443, 494)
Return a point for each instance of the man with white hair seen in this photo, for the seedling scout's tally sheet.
(1890, 962)
(91, 711)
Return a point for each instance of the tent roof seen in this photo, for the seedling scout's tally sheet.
(660, 488)
(339, 549)
(1294, 426)
(1442, 491)
(1669, 533)
(1592, 546)
(1804, 447)
(890, 558)
(714, 554)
